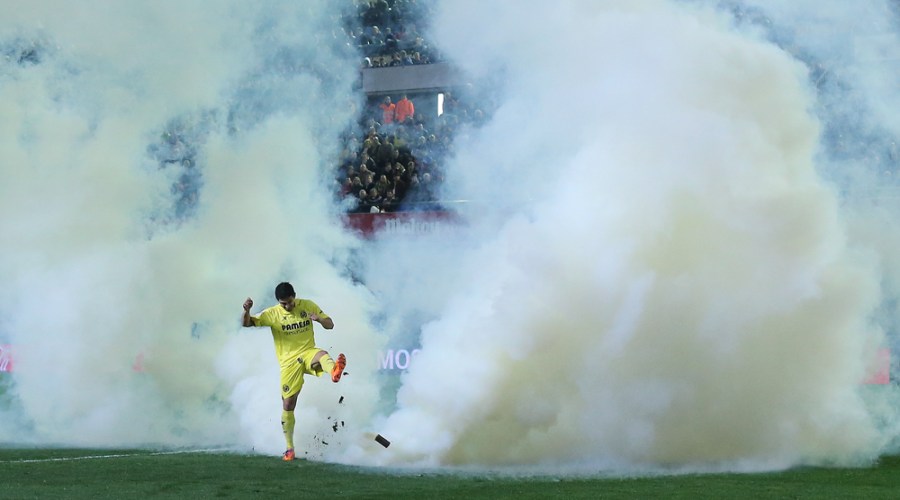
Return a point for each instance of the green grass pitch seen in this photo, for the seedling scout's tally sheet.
(95, 474)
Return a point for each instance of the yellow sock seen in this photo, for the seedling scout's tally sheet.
(287, 425)
(327, 363)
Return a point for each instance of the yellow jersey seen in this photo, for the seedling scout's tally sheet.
(292, 331)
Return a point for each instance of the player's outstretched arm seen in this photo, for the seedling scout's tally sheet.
(247, 321)
(326, 323)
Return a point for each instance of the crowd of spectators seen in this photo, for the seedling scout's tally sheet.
(387, 32)
(393, 156)
(394, 159)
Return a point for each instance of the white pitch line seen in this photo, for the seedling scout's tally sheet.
(94, 457)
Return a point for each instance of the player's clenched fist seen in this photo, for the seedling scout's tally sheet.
(248, 304)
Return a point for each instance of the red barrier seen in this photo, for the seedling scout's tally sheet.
(403, 223)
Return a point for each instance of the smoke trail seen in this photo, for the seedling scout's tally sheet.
(677, 284)
(161, 162)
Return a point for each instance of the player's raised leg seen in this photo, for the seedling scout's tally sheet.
(328, 365)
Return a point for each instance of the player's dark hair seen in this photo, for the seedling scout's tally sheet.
(284, 291)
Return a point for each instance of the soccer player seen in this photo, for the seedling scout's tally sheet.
(291, 325)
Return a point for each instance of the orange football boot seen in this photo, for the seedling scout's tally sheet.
(338, 369)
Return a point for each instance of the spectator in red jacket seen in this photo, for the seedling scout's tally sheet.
(387, 110)
(404, 109)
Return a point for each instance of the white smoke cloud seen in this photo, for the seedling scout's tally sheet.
(678, 286)
(660, 270)
(102, 275)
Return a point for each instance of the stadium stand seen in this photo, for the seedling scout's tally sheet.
(394, 156)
